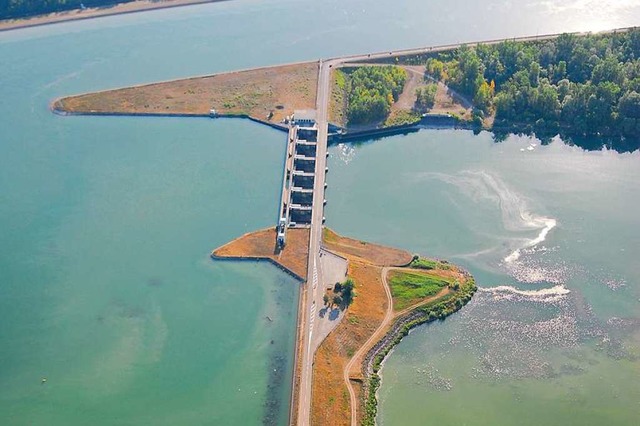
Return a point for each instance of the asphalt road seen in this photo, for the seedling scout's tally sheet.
(315, 287)
(315, 290)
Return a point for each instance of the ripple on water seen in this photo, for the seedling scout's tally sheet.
(346, 153)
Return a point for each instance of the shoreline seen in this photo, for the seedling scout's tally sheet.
(273, 112)
(373, 361)
(96, 12)
(366, 261)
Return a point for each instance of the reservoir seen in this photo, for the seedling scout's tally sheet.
(106, 224)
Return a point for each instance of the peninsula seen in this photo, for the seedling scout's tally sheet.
(359, 299)
(393, 292)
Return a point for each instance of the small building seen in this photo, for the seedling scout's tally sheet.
(282, 228)
(304, 117)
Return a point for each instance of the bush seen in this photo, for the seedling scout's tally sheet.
(372, 91)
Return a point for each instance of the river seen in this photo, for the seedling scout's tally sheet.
(107, 290)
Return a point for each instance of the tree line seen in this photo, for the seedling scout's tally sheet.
(11, 9)
(575, 85)
(371, 91)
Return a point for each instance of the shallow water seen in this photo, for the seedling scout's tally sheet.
(553, 335)
(106, 223)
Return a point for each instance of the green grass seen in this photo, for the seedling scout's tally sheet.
(422, 263)
(402, 117)
(408, 288)
(337, 112)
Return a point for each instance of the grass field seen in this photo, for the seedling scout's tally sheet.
(408, 288)
(424, 263)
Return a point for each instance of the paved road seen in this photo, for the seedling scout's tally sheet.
(315, 289)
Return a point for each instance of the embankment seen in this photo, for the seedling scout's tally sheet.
(439, 309)
(372, 321)
(261, 245)
(267, 95)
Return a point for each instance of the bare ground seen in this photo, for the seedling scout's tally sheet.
(447, 100)
(268, 94)
(407, 99)
(371, 253)
(262, 245)
(338, 359)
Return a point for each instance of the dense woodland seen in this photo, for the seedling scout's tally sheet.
(24, 8)
(371, 91)
(578, 86)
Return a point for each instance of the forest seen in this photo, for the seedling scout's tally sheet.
(371, 91)
(11, 9)
(575, 86)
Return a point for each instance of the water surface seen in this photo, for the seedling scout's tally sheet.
(106, 223)
(549, 232)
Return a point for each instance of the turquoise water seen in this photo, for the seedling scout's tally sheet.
(106, 288)
(553, 335)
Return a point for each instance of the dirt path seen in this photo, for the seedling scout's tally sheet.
(374, 337)
(380, 331)
(407, 98)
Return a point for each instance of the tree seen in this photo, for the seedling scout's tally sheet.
(608, 70)
(372, 92)
(435, 68)
(348, 291)
(629, 105)
(629, 108)
(484, 97)
(425, 97)
(471, 74)
(23, 8)
(547, 103)
(337, 300)
(534, 74)
(325, 299)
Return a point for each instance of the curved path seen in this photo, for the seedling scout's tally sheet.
(380, 331)
(304, 353)
(388, 316)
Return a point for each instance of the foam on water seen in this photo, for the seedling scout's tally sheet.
(346, 153)
(517, 216)
(533, 221)
(543, 295)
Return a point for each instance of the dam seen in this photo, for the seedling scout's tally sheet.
(299, 176)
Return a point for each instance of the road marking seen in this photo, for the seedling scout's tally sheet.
(315, 274)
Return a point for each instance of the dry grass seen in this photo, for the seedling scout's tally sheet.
(268, 94)
(338, 101)
(407, 99)
(262, 244)
(449, 102)
(330, 405)
(368, 252)
(403, 110)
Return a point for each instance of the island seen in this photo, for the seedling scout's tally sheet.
(359, 299)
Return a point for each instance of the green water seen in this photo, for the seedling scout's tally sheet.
(106, 287)
(109, 292)
(551, 338)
